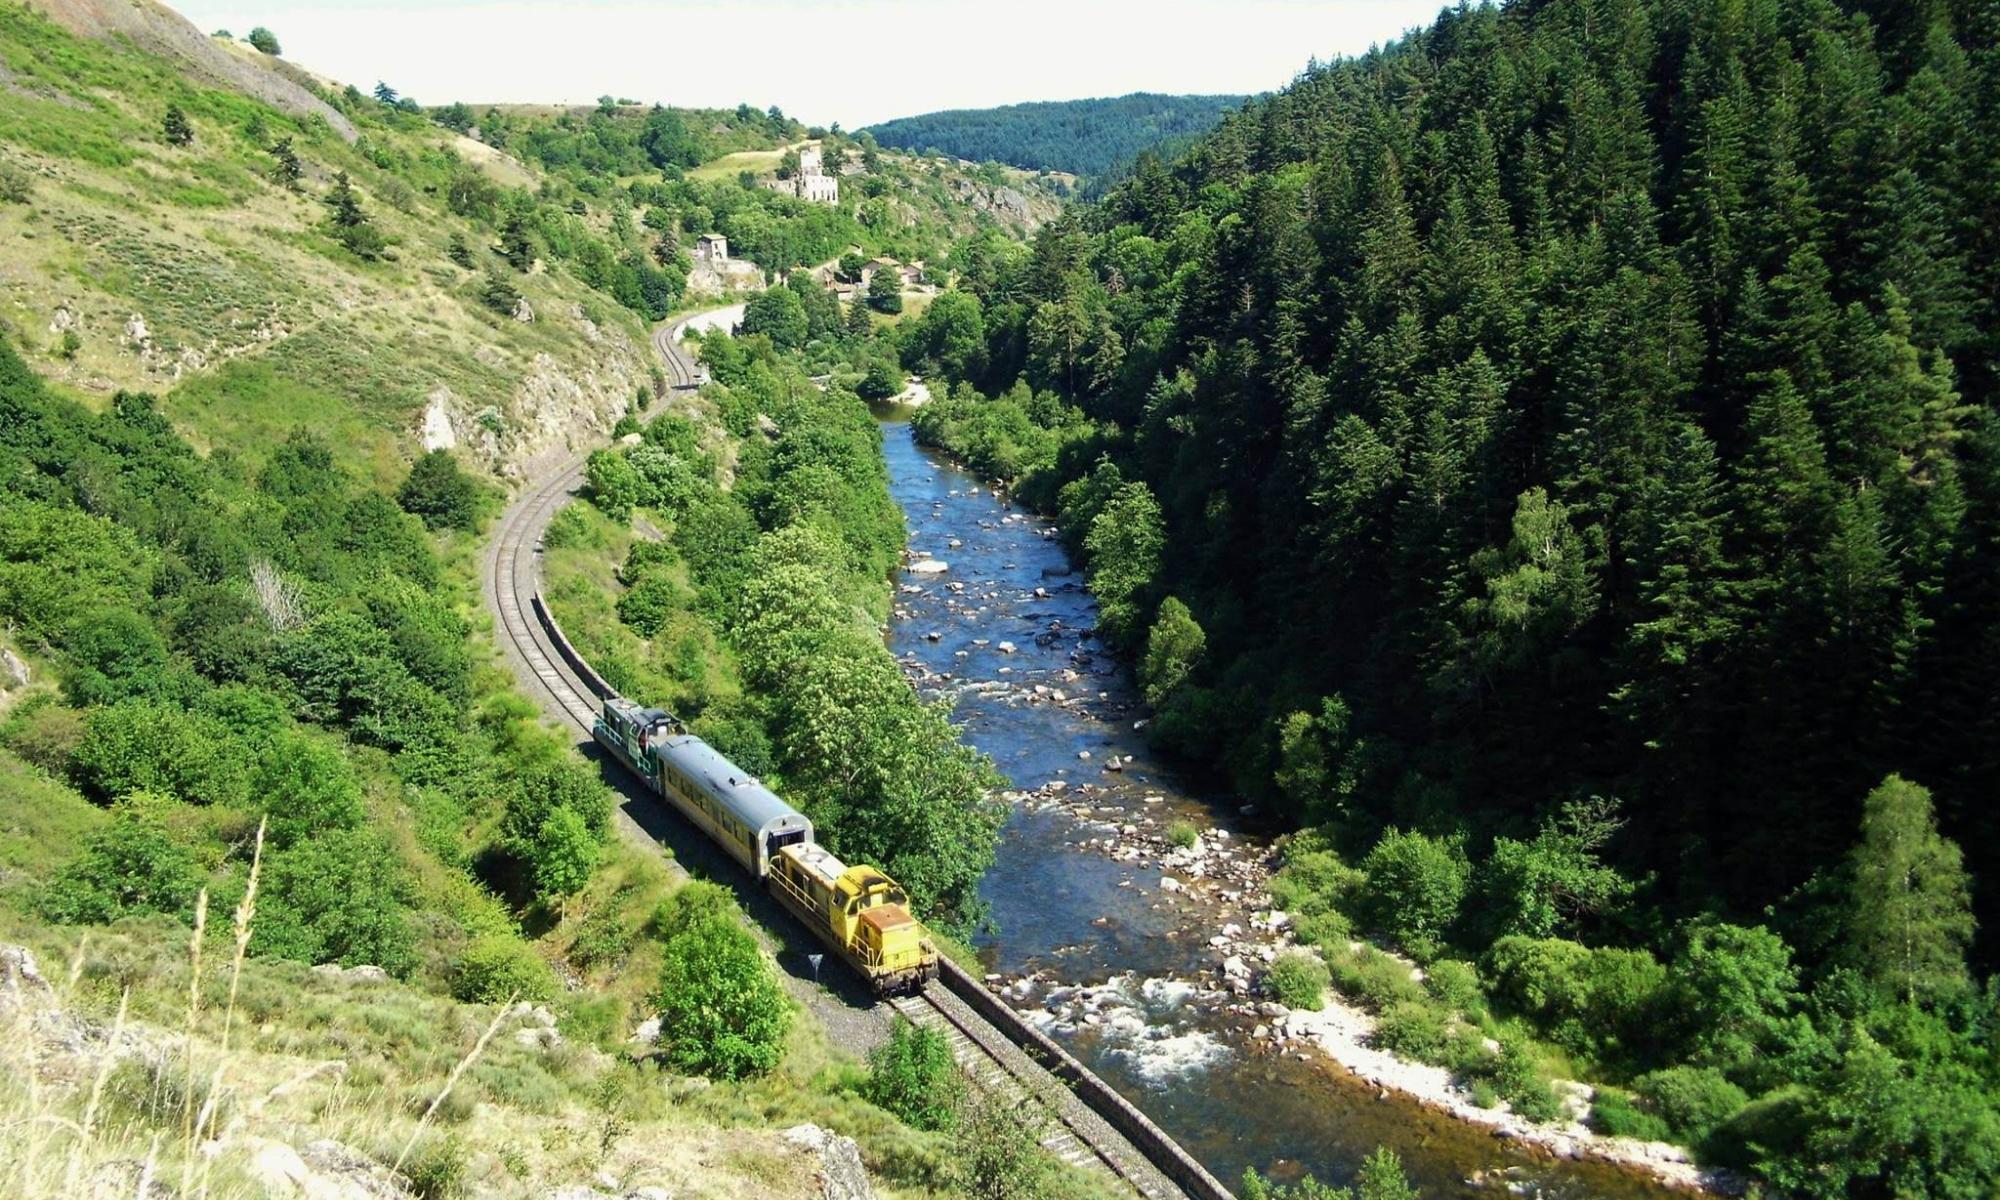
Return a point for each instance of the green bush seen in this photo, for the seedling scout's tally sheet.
(1588, 1001)
(497, 968)
(335, 896)
(1314, 880)
(1416, 885)
(1374, 978)
(1183, 834)
(1415, 1030)
(440, 494)
(437, 1170)
(1455, 984)
(132, 864)
(1298, 979)
(1693, 1101)
(721, 1012)
(1614, 1114)
(914, 1076)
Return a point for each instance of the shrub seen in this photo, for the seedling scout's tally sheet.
(1298, 979)
(1174, 648)
(1693, 1101)
(1455, 984)
(499, 967)
(265, 41)
(1415, 887)
(998, 1151)
(139, 745)
(721, 1012)
(914, 1076)
(437, 1170)
(46, 735)
(439, 493)
(601, 940)
(1588, 1001)
(16, 185)
(1613, 1114)
(335, 897)
(1415, 1030)
(1376, 979)
(305, 786)
(1183, 835)
(130, 865)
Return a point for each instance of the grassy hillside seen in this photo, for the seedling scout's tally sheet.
(1081, 137)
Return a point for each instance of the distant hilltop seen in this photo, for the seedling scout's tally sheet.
(1082, 137)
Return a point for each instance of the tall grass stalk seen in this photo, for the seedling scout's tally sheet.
(246, 916)
(451, 1081)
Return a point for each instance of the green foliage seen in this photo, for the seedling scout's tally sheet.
(265, 41)
(143, 745)
(1381, 1178)
(1183, 835)
(1124, 546)
(777, 314)
(335, 896)
(721, 1012)
(498, 968)
(1692, 1101)
(1415, 887)
(1910, 913)
(556, 824)
(1082, 137)
(132, 864)
(1173, 649)
(176, 128)
(885, 290)
(1541, 888)
(441, 494)
(1732, 989)
(914, 1076)
(1600, 1001)
(305, 787)
(1298, 979)
(996, 1150)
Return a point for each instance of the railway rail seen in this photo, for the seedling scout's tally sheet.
(1087, 1125)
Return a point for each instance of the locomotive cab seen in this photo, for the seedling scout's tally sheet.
(884, 934)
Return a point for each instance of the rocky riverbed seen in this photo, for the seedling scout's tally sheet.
(1139, 947)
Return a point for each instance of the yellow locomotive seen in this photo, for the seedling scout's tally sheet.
(859, 912)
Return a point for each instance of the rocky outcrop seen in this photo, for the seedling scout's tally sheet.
(841, 1175)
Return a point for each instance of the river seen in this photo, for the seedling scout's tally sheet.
(1118, 969)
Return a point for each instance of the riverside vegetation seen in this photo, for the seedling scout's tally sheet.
(1552, 460)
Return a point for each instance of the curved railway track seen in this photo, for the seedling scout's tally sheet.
(1073, 1130)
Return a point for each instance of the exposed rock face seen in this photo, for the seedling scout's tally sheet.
(20, 976)
(437, 433)
(360, 973)
(13, 670)
(841, 1175)
(523, 311)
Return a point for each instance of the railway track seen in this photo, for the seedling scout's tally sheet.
(1072, 1131)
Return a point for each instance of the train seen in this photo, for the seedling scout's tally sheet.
(858, 911)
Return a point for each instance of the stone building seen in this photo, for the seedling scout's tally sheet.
(811, 183)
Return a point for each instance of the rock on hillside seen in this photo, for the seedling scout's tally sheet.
(156, 28)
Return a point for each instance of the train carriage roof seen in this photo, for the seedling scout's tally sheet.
(726, 783)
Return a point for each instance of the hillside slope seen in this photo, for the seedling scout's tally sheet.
(1081, 137)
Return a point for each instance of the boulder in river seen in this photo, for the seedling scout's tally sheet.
(929, 566)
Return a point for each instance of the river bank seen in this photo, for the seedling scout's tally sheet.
(1143, 956)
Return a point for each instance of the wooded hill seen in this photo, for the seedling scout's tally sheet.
(1081, 137)
(1577, 413)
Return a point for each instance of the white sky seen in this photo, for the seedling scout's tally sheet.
(852, 61)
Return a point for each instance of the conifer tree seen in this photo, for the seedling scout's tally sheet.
(176, 128)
